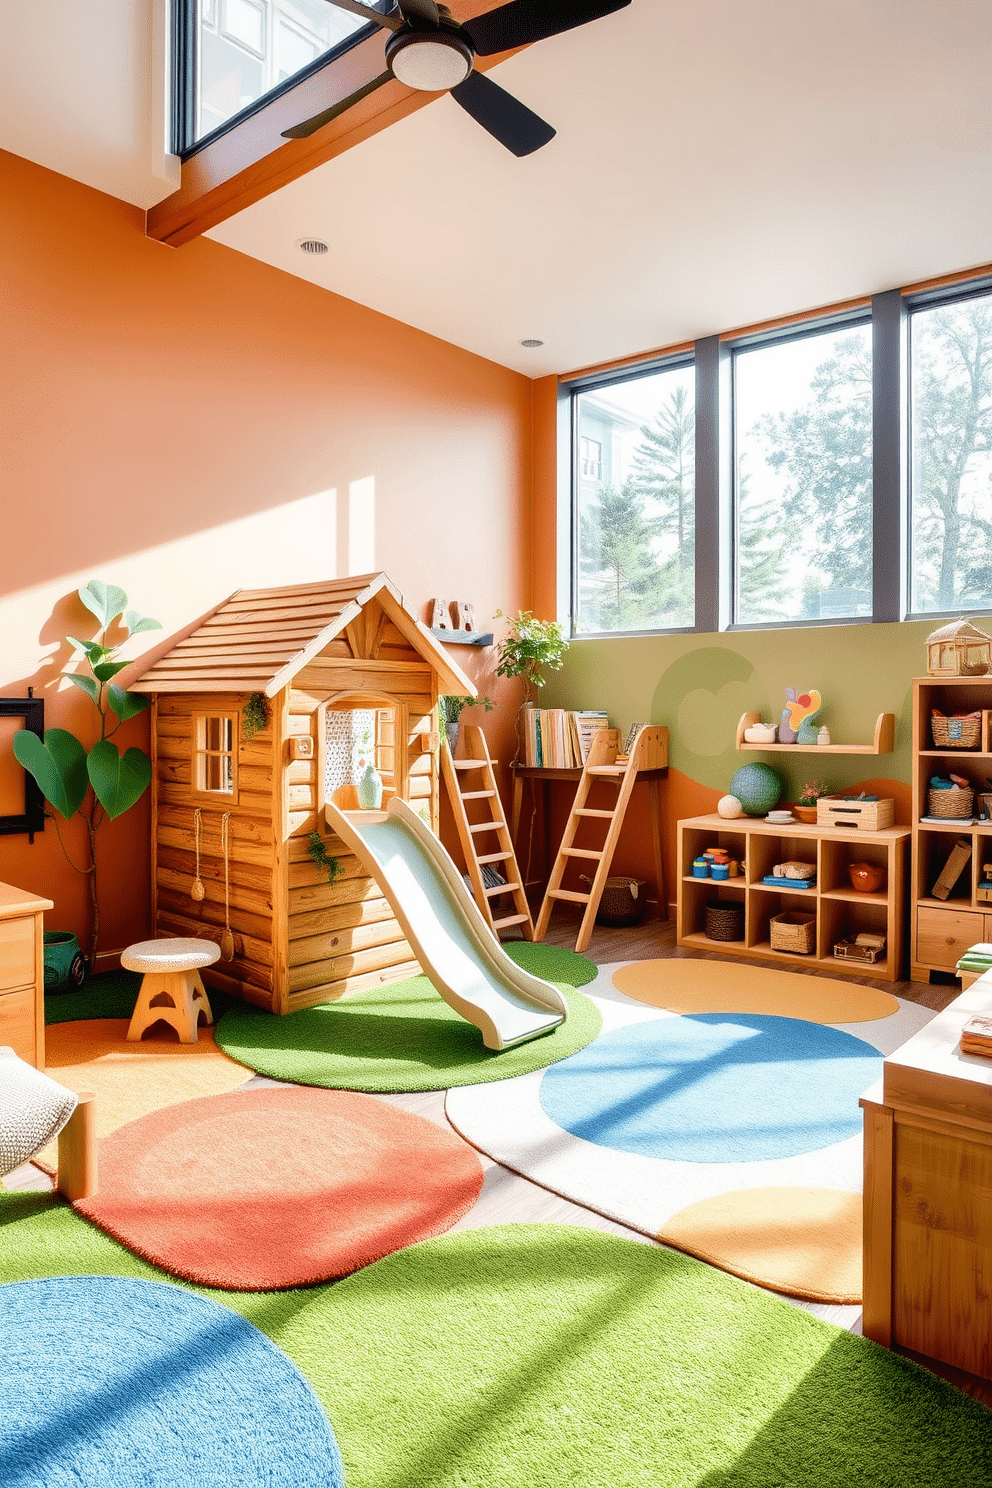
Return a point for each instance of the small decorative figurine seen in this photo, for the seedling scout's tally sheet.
(823, 735)
(797, 717)
(959, 650)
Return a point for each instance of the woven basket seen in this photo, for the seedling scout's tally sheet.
(724, 921)
(792, 931)
(956, 804)
(622, 902)
(955, 733)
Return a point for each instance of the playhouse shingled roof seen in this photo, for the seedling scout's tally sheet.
(259, 639)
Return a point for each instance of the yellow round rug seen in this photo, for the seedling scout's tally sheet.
(129, 1080)
(695, 986)
(803, 1241)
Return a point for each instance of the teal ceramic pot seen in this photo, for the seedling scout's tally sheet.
(65, 965)
(758, 788)
(369, 789)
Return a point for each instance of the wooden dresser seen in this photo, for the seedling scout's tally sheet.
(928, 1194)
(22, 973)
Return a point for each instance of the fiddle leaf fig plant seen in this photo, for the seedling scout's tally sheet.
(99, 783)
(529, 646)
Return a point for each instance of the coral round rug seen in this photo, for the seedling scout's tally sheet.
(129, 1080)
(267, 1188)
(132, 1384)
(692, 985)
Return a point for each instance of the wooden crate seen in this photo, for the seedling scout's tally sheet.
(863, 816)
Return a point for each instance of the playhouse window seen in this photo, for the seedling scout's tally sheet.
(353, 739)
(214, 764)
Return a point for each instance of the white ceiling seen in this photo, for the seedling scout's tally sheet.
(718, 162)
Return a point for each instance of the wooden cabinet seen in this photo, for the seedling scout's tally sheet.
(928, 1194)
(944, 928)
(839, 909)
(22, 974)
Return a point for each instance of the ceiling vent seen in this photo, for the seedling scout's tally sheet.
(312, 245)
(531, 342)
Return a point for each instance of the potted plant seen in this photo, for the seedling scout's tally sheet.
(805, 808)
(529, 646)
(99, 783)
(450, 707)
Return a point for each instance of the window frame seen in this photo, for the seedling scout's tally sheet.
(575, 388)
(199, 753)
(185, 55)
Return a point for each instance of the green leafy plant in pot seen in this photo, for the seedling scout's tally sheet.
(99, 783)
(451, 706)
(529, 646)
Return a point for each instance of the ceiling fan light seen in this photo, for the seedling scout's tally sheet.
(431, 61)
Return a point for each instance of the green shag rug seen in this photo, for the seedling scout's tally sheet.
(400, 1037)
(544, 1356)
(110, 994)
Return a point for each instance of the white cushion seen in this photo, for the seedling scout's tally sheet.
(170, 955)
(33, 1110)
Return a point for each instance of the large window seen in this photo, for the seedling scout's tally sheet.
(828, 472)
(236, 51)
(803, 478)
(634, 506)
(951, 463)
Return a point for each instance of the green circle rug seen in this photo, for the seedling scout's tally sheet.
(536, 1356)
(399, 1037)
(109, 994)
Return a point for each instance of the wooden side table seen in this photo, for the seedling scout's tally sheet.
(928, 1194)
(22, 973)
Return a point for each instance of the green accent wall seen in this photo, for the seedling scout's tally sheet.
(700, 685)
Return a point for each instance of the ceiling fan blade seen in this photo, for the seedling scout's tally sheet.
(310, 126)
(420, 10)
(505, 117)
(391, 18)
(523, 21)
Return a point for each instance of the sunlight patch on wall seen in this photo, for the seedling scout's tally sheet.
(361, 526)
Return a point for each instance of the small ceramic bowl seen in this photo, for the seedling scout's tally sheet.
(865, 877)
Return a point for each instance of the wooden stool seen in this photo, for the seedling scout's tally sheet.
(171, 989)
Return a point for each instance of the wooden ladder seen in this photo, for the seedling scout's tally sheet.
(478, 766)
(649, 752)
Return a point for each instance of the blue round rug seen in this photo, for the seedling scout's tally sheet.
(714, 1088)
(128, 1383)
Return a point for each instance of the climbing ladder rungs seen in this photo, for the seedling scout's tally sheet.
(491, 826)
(477, 795)
(581, 852)
(507, 888)
(462, 764)
(568, 894)
(501, 857)
(590, 811)
(510, 920)
(606, 769)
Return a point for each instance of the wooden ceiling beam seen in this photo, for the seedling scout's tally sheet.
(252, 160)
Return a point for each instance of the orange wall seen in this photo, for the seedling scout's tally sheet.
(185, 423)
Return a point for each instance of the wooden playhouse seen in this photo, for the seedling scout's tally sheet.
(270, 707)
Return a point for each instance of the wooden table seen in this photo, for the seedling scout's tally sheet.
(928, 1194)
(22, 973)
(536, 776)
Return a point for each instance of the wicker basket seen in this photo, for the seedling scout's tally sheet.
(955, 733)
(724, 921)
(956, 804)
(622, 902)
(793, 931)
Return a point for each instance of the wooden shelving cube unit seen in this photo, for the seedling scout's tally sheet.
(840, 910)
(942, 929)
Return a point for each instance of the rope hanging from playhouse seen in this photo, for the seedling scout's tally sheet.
(197, 891)
(227, 939)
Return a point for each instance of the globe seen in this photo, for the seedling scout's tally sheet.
(758, 788)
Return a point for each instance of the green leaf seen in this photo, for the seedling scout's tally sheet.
(117, 782)
(91, 688)
(107, 669)
(126, 704)
(134, 622)
(93, 649)
(105, 601)
(58, 764)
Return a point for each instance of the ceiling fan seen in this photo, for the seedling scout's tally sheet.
(429, 50)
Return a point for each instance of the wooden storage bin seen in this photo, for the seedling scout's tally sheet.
(865, 816)
(792, 931)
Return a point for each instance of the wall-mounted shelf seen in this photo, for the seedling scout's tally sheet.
(462, 637)
(883, 742)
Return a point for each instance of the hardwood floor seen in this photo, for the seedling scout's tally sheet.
(507, 1198)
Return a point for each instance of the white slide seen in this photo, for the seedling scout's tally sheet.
(441, 920)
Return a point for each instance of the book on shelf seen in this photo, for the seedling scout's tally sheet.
(560, 739)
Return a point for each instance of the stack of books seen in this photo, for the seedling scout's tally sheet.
(976, 1036)
(556, 739)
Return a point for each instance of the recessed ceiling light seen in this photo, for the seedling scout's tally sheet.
(531, 342)
(311, 245)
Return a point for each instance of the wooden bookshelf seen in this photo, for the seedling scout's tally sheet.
(839, 909)
(882, 743)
